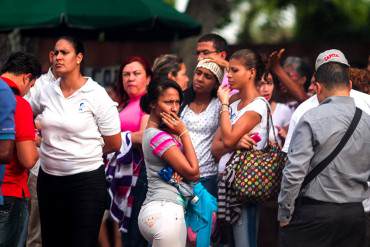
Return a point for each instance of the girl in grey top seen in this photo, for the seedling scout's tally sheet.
(165, 142)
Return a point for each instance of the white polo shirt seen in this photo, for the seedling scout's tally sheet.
(72, 127)
(362, 101)
(43, 80)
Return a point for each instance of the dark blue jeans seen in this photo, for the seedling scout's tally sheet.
(13, 221)
(210, 183)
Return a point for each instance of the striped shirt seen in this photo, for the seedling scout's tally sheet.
(155, 143)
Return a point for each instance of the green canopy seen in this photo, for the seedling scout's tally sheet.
(96, 15)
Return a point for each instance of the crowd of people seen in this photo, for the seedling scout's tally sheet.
(139, 163)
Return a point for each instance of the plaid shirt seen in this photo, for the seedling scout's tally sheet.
(122, 172)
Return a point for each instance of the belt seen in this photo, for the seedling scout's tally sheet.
(309, 201)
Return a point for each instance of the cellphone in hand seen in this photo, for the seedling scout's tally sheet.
(256, 137)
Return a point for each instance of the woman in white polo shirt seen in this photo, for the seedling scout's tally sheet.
(79, 123)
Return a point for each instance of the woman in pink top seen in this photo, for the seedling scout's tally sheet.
(135, 75)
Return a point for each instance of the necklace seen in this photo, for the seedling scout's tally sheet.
(199, 108)
(153, 124)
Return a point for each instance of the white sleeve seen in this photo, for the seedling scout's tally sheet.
(286, 115)
(292, 124)
(33, 97)
(107, 116)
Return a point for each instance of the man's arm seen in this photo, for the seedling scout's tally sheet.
(299, 156)
(7, 127)
(294, 89)
(6, 151)
(27, 153)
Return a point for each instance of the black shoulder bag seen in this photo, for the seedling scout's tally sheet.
(323, 164)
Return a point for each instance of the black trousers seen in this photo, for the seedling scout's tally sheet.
(71, 208)
(322, 224)
(133, 237)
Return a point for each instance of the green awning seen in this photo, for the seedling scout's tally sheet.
(95, 15)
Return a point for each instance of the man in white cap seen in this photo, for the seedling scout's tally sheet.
(362, 100)
(327, 210)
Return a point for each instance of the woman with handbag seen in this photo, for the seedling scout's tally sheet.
(238, 121)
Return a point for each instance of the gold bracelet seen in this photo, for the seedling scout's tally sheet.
(225, 107)
(222, 110)
(183, 133)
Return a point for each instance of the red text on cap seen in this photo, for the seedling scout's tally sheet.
(330, 56)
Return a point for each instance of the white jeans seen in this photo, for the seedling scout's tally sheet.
(163, 224)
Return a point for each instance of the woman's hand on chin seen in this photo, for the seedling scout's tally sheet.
(173, 122)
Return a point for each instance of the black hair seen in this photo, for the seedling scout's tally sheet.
(76, 43)
(22, 63)
(333, 74)
(164, 64)
(219, 43)
(275, 82)
(251, 60)
(155, 90)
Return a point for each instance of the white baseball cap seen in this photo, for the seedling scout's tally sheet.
(328, 56)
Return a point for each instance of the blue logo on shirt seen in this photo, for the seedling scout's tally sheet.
(82, 106)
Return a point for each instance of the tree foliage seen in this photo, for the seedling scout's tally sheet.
(332, 19)
(170, 2)
(313, 20)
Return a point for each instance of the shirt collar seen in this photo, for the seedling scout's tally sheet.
(87, 87)
(11, 84)
(338, 99)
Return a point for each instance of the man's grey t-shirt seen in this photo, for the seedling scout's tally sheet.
(155, 143)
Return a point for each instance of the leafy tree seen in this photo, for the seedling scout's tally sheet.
(314, 20)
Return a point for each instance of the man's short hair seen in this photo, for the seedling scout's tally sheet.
(219, 43)
(333, 75)
(22, 63)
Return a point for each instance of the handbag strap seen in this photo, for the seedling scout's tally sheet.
(269, 119)
(324, 163)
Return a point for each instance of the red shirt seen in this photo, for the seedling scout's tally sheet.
(16, 176)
